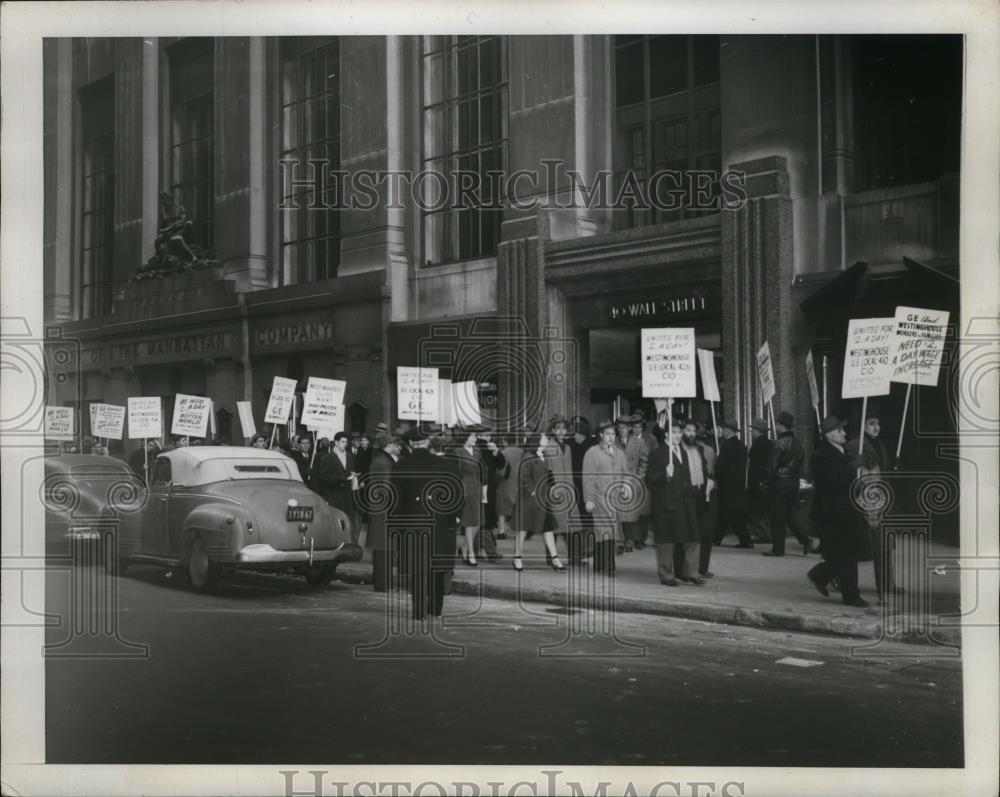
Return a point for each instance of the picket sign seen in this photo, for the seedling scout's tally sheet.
(765, 378)
(813, 387)
(246, 418)
(59, 423)
(668, 363)
(866, 363)
(918, 345)
(710, 387)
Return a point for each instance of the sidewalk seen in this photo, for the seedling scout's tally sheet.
(748, 589)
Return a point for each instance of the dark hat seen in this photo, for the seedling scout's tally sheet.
(635, 418)
(759, 424)
(474, 427)
(607, 423)
(623, 421)
(556, 419)
(416, 434)
(355, 435)
(831, 422)
(729, 423)
(383, 439)
(381, 427)
(786, 419)
(641, 413)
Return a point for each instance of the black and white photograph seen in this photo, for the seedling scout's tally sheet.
(500, 399)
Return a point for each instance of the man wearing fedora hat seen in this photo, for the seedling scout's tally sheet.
(376, 495)
(842, 533)
(784, 468)
(730, 474)
(429, 499)
(757, 457)
(876, 460)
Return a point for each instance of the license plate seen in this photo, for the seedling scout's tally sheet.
(300, 513)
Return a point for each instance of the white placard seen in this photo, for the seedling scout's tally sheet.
(668, 363)
(279, 405)
(211, 419)
(331, 429)
(59, 423)
(144, 417)
(246, 418)
(445, 390)
(190, 415)
(709, 384)
(417, 393)
(917, 345)
(866, 357)
(765, 373)
(323, 402)
(811, 378)
(465, 397)
(109, 421)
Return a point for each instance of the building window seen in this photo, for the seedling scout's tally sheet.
(464, 140)
(192, 134)
(310, 131)
(907, 108)
(97, 107)
(668, 119)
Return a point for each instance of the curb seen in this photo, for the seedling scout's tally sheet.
(862, 627)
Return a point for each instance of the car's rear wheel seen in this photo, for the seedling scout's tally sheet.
(203, 573)
(319, 576)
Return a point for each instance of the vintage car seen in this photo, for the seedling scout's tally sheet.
(217, 509)
(86, 498)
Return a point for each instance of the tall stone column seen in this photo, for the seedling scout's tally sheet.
(757, 270)
(241, 217)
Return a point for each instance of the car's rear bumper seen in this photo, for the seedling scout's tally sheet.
(263, 554)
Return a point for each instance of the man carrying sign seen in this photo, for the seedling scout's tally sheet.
(783, 470)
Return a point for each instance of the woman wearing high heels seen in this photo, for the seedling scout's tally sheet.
(534, 482)
(472, 471)
(508, 488)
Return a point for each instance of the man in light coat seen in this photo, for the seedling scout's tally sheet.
(603, 483)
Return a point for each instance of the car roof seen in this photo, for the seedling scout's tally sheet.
(192, 466)
(66, 461)
(198, 454)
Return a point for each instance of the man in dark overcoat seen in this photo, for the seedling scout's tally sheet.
(784, 468)
(842, 530)
(730, 479)
(675, 510)
(429, 499)
(377, 498)
(757, 458)
(333, 479)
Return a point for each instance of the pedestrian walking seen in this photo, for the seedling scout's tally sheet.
(701, 467)
(494, 463)
(534, 500)
(377, 495)
(675, 512)
(603, 480)
(562, 496)
(429, 500)
(842, 530)
(634, 449)
(507, 486)
(335, 479)
(637, 430)
(472, 471)
(784, 467)
(757, 457)
(579, 443)
(875, 463)
(730, 477)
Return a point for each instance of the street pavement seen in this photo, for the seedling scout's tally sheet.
(270, 670)
(747, 589)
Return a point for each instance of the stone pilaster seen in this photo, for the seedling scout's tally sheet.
(757, 270)
(128, 210)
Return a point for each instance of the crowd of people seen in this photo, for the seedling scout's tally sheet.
(594, 494)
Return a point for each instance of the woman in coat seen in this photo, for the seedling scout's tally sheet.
(472, 471)
(675, 510)
(603, 485)
(533, 500)
(841, 526)
(507, 485)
